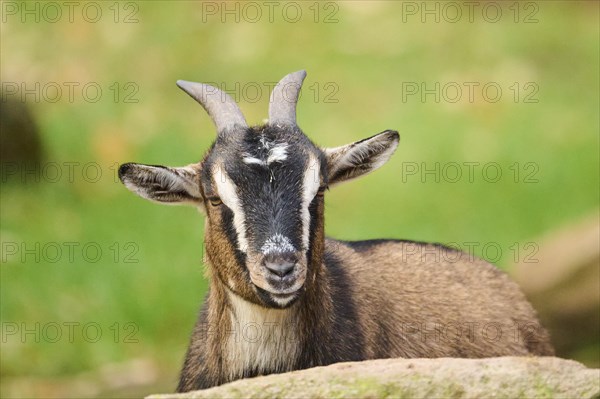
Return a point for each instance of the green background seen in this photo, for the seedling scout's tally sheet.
(361, 57)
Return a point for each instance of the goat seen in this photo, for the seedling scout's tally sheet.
(283, 297)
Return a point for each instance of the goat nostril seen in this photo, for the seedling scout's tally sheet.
(281, 269)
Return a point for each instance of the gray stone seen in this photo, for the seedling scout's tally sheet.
(502, 377)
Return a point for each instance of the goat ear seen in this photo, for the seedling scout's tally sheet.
(362, 157)
(163, 184)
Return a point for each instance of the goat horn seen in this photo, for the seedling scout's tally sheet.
(282, 104)
(221, 108)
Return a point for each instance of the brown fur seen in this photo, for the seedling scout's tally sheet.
(439, 289)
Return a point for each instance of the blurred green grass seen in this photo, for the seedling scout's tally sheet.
(367, 54)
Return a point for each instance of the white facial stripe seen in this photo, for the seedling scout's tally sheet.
(227, 192)
(277, 153)
(251, 160)
(277, 244)
(310, 186)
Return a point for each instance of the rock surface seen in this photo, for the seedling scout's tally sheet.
(502, 377)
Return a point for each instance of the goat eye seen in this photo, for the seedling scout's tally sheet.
(215, 201)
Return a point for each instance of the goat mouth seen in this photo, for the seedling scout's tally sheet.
(282, 294)
(278, 292)
(279, 298)
(281, 287)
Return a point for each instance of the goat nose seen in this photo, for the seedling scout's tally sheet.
(281, 265)
(281, 269)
